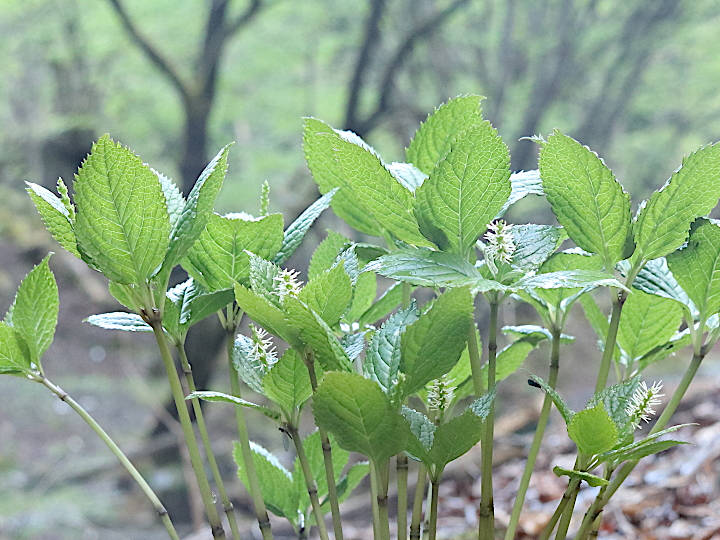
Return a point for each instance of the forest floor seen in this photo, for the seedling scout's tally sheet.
(53, 473)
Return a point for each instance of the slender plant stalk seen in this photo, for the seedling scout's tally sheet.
(244, 440)
(434, 508)
(202, 429)
(550, 527)
(418, 503)
(309, 359)
(374, 501)
(486, 522)
(115, 449)
(382, 471)
(309, 481)
(187, 428)
(567, 514)
(401, 460)
(593, 513)
(537, 438)
(618, 299)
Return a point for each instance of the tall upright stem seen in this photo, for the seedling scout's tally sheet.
(202, 429)
(486, 525)
(244, 440)
(309, 359)
(559, 511)
(381, 480)
(538, 437)
(434, 508)
(401, 460)
(618, 299)
(418, 503)
(119, 454)
(374, 501)
(309, 481)
(187, 428)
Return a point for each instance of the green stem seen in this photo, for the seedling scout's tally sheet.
(309, 481)
(559, 511)
(374, 501)
(202, 429)
(401, 460)
(596, 508)
(434, 508)
(538, 437)
(309, 359)
(418, 503)
(475, 362)
(244, 441)
(486, 525)
(381, 481)
(115, 449)
(567, 513)
(618, 299)
(187, 428)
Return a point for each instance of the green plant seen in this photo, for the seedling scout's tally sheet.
(388, 377)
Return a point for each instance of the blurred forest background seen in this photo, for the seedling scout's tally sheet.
(638, 81)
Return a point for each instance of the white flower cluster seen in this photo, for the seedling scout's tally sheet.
(499, 243)
(287, 283)
(642, 403)
(440, 394)
(263, 351)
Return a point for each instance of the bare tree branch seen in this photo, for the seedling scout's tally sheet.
(151, 52)
(385, 89)
(244, 18)
(370, 41)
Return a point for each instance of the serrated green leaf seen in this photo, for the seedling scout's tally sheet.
(663, 223)
(646, 322)
(266, 314)
(325, 255)
(523, 183)
(655, 278)
(297, 230)
(407, 174)
(586, 198)
(34, 311)
(316, 334)
(620, 454)
(220, 397)
(651, 448)
(569, 279)
(677, 342)
(363, 296)
(122, 221)
(14, 354)
(370, 199)
(511, 358)
(421, 266)
(174, 200)
(466, 190)
(276, 482)
(615, 400)
(357, 412)
(119, 320)
(534, 332)
(564, 261)
(198, 209)
(125, 295)
(696, 267)
(55, 216)
(288, 382)
(432, 345)
(382, 359)
(423, 431)
(591, 479)
(219, 259)
(388, 301)
(348, 482)
(328, 294)
(534, 244)
(454, 438)
(593, 431)
(432, 140)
